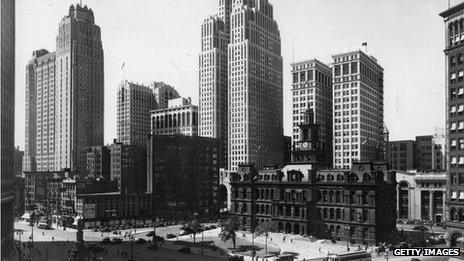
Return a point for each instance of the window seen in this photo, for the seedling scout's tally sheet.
(337, 70)
(460, 58)
(453, 77)
(452, 61)
(346, 67)
(302, 76)
(453, 126)
(295, 77)
(354, 67)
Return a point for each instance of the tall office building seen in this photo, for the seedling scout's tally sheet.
(134, 104)
(7, 94)
(312, 90)
(163, 93)
(255, 101)
(454, 55)
(79, 88)
(40, 112)
(213, 77)
(358, 109)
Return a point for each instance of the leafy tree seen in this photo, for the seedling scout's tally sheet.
(229, 230)
(265, 228)
(193, 227)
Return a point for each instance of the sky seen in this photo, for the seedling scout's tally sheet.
(159, 40)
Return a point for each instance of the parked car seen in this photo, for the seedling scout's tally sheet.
(169, 236)
(106, 230)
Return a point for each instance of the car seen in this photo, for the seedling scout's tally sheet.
(106, 230)
(169, 236)
(115, 233)
(420, 228)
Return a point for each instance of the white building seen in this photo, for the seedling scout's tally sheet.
(180, 116)
(255, 131)
(135, 101)
(358, 109)
(213, 77)
(312, 89)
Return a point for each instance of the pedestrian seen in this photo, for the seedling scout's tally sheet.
(291, 240)
(53, 239)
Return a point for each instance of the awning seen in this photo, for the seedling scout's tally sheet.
(453, 160)
(454, 194)
(461, 195)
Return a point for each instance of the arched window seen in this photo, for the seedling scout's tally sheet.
(183, 118)
(188, 118)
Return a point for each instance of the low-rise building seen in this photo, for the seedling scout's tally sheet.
(113, 208)
(421, 195)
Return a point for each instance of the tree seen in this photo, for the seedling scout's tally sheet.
(193, 227)
(229, 230)
(265, 228)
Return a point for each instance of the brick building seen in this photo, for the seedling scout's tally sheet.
(183, 175)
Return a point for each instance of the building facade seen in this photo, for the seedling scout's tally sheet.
(255, 98)
(135, 101)
(79, 88)
(401, 154)
(421, 195)
(312, 89)
(183, 175)
(356, 205)
(20, 195)
(18, 162)
(357, 109)
(163, 93)
(114, 209)
(180, 116)
(7, 123)
(40, 112)
(430, 154)
(454, 55)
(213, 79)
(128, 167)
(98, 162)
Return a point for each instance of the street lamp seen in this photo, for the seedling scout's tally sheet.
(132, 240)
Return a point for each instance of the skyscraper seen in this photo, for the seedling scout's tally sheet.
(164, 93)
(40, 112)
(357, 108)
(134, 104)
(79, 88)
(312, 89)
(213, 77)
(7, 95)
(255, 128)
(454, 55)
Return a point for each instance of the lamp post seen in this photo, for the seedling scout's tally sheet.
(132, 240)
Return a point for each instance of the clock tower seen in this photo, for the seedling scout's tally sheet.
(308, 148)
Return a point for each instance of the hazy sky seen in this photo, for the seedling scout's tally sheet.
(159, 40)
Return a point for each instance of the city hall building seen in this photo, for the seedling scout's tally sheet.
(356, 205)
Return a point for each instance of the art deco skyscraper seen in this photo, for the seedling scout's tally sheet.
(358, 109)
(7, 97)
(312, 89)
(79, 88)
(40, 112)
(255, 99)
(213, 77)
(134, 104)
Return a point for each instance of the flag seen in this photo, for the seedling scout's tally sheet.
(364, 44)
(123, 64)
